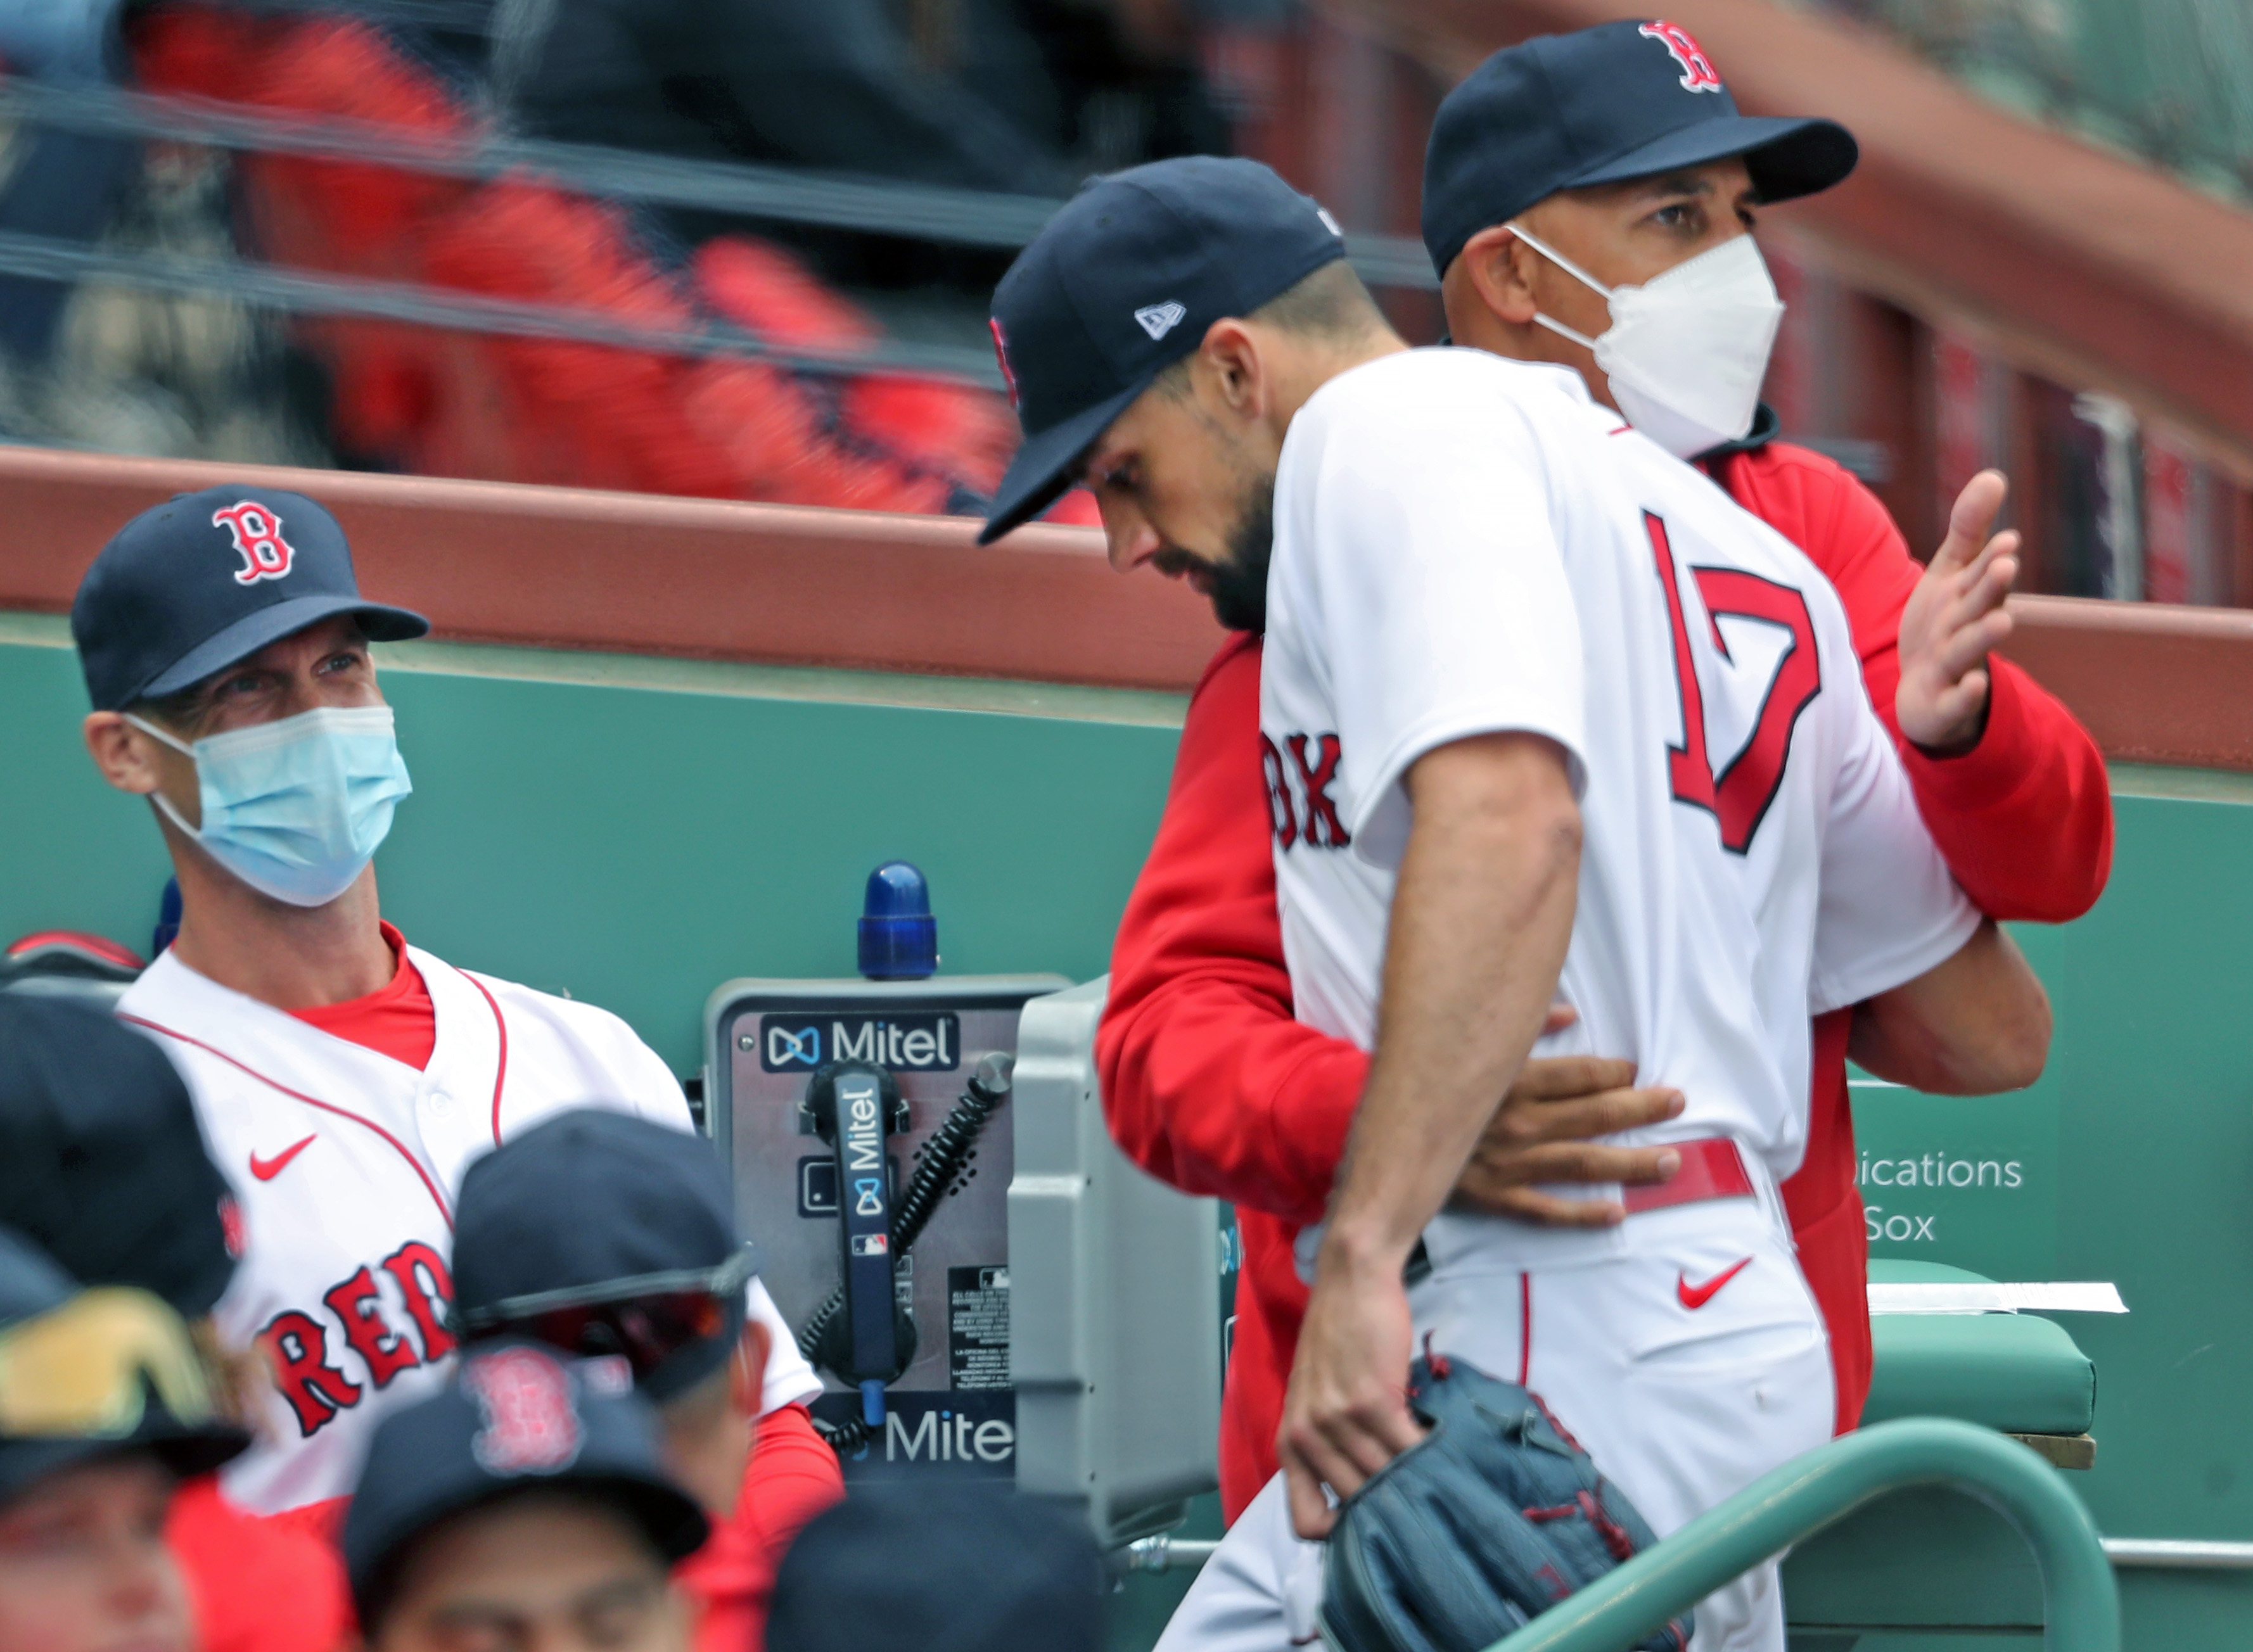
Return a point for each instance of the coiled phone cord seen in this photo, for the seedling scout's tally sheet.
(944, 1156)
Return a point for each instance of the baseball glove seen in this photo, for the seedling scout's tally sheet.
(1491, 1519)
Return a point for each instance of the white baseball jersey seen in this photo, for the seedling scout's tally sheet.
(344, 1165)
(1466, 545)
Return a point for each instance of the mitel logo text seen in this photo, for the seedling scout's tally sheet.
(948, 1436)
(864, 1137)
(924, 1043)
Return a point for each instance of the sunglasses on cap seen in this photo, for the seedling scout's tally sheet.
(85, 1370)
(645, 1317)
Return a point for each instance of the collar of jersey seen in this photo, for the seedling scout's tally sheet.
(1766, 428)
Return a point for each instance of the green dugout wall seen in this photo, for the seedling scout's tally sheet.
(635, 831)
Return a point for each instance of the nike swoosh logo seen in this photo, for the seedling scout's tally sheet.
(1696, 1296)
(267, 1169)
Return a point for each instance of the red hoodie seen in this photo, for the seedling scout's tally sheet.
(1211, 1085)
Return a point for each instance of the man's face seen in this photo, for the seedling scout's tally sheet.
(540, 1572)
(327, 664)
(83, 1565)
(1623, 234)
(1184, 491)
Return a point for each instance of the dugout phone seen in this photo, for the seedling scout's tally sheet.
(953, 1409)
(1063, 1306)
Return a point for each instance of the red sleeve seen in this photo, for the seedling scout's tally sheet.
(1208, 1083)
(792, 1476)
(2025, 818)
(258, 1585)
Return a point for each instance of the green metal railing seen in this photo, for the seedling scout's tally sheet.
(2081, 1606)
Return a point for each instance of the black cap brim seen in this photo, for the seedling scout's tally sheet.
(254, 631)
(186, 1452)
(1041, 471)
(673, 1521)
(1788, 157)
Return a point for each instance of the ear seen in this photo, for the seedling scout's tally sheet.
(747, 1388)
(1500, 268)
(1230, 362)
(126, 757)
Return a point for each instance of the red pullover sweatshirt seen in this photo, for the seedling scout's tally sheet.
(1209, 1083)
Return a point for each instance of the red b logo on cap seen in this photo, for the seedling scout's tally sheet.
(257, 532)
(1001, 355)
(1698, 71)
(531, 1426)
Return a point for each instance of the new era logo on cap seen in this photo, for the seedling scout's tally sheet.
(1158, 320)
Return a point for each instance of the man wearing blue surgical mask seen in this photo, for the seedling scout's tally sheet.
(343, 1079)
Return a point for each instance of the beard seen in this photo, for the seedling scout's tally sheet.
(1239, 585)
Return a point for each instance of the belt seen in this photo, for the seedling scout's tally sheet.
(1712, 1168)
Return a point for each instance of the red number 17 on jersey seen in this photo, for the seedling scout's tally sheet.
(1737, 795)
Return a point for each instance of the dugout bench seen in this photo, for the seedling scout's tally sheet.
(1931, 1561)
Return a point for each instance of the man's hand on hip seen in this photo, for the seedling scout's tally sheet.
(1544, 1131)
(1346, 1413)
(1955, 616)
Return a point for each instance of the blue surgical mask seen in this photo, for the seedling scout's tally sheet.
(295, 808)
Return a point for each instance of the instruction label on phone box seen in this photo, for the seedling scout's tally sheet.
(977, 1328)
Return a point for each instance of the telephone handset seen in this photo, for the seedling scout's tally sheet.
(861, 1333)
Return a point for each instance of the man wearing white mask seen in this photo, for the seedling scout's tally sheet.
(344, 1079)
(1590, 200)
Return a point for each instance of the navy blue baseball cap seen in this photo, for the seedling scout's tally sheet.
(102, 1162)
(1122, 284)
(940, 1567)
(1598, 106)
(206, 578)
(516, 1416)
(596, 1206)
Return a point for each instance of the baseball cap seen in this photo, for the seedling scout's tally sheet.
(517, 1415)
(939, 1568)
(1123, 282)
(89, 1374)
(595, 1205)
(206, 578)
(1618, 100)
(102, 1160)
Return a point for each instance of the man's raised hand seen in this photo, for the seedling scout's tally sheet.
(1954, 617)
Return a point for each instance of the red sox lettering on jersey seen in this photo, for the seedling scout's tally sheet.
(344, 1163)
(1299, 798)
(1698, 71)
(257, 534)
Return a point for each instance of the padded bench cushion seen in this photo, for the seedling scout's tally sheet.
(2017, 1372)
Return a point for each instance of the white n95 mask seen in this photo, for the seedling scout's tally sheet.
(295, 808)
(1687, 350)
